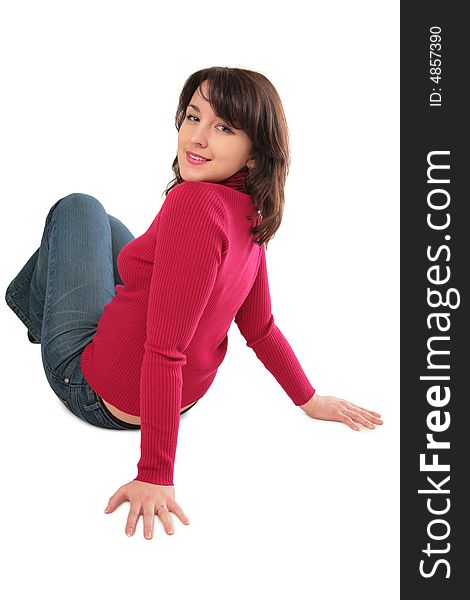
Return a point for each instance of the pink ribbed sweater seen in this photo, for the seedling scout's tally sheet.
(161, 339)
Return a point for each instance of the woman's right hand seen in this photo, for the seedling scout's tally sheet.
(147, 499)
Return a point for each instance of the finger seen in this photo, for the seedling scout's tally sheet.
(149, 518)
(356, 416)
(366, 409)
(164, 516)
(348, 421)
(368, 415)
(132, 518)
(117, 499)
(176, 508)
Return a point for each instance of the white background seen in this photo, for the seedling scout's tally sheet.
(280, 505)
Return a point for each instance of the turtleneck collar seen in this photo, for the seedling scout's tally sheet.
(237, 181)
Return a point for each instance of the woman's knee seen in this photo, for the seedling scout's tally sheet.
(78, 203)
(77, 198)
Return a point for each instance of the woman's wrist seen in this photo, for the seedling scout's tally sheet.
(308, 405)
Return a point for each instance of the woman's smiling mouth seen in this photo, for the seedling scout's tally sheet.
(195, 159)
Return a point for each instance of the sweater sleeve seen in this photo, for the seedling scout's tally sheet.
(256, 323)
(190, 241)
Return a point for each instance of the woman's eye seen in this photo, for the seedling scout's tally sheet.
(227, 130)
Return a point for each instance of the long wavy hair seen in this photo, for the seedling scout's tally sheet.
(247, 100)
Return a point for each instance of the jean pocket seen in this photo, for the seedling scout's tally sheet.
(66, 375)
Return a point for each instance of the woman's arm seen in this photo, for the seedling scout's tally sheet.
(190, 240)
(256, 323)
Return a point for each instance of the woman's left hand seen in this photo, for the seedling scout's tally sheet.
(329, 408)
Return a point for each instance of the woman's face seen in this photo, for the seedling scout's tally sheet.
(227, 150)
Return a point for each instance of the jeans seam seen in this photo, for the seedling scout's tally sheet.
(70, 368)
(19, 313)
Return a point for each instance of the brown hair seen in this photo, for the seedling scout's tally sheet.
(247, 100)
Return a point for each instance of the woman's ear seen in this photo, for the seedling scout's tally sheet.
(251, 164)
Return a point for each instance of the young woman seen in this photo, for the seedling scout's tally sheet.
(132, 331)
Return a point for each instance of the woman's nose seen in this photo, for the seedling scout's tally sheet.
(199, 136)
(199, 139)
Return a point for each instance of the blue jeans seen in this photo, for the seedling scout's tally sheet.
(60, 294)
